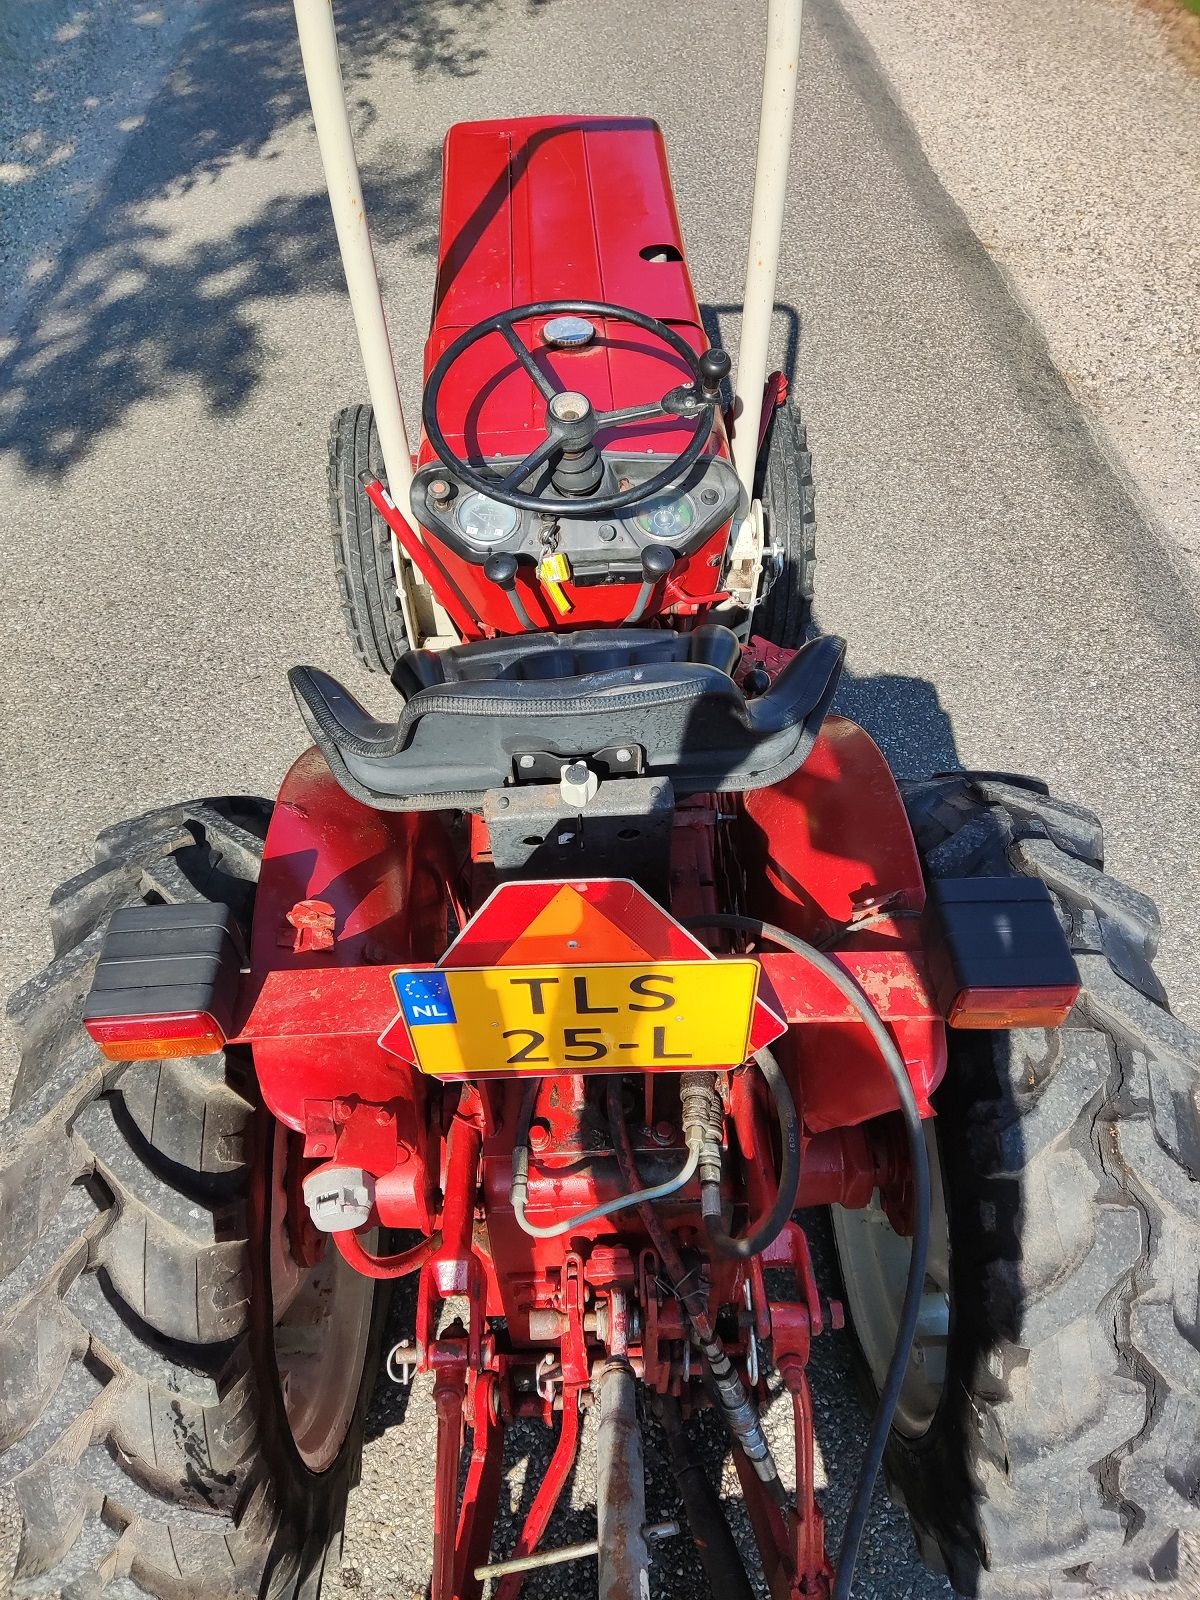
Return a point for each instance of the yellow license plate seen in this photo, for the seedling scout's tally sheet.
(669, 1016)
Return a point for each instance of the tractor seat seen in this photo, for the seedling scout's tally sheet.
(472, 712)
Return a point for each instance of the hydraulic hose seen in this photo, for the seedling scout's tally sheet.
(771, 1226)
(555, 1230)
(736, 1403)
(889, 1394)
(715, 1544)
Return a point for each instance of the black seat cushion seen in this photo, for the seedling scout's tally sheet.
(460, 736)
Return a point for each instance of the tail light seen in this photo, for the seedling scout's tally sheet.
(1003, 959)
(166, 982)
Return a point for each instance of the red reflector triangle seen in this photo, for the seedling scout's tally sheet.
(570, 928)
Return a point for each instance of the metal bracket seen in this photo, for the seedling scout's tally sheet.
(745, 559)
(543, 766)
(624, 831)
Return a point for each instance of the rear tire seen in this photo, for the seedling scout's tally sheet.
(143, 1329)
(1064, 1456)
(789, 511)
(363, 557)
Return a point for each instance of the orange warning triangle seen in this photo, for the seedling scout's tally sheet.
(566, 917)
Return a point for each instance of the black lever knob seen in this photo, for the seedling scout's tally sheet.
(657, 561)
(501, 569)
(714, 369)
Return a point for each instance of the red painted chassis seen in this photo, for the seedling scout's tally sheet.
(819, 854)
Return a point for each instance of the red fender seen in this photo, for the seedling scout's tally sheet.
(387, 880)
(822, 848)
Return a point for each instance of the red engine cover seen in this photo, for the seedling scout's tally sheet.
(559, 208)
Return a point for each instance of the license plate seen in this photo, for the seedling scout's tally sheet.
(669, 1016)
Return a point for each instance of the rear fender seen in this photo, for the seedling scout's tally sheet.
(388, 878)
(823, 848)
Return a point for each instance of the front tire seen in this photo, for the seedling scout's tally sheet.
(163, 1424)
(1063, 1457)
(785, 488)
(363, 558)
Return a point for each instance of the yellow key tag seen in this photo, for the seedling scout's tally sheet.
(553, 571)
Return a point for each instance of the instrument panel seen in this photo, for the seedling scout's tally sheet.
(604, 549)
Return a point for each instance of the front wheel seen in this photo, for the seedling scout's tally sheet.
(364, 561)
(785, 487)
(182, 1384)
(1048, 1437)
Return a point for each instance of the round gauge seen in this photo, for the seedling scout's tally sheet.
(666, 518)
(486, 522)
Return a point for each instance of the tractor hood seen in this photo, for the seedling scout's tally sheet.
(557, 208)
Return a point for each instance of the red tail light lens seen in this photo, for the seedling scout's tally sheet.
(1012, 1008)
(152, 1038)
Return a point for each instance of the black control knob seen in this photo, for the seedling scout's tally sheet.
(501, 569)
(657, 561)
(714, 369)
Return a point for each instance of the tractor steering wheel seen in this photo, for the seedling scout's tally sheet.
(571, 423)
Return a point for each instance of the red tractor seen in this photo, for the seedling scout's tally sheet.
(566, 988)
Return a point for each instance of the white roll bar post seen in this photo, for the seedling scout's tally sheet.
(780, 71)
(323, 73)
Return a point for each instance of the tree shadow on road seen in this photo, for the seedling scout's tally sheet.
(125, 314)
(130, 320)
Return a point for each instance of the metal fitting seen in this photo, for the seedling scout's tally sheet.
(339, 1199)
(703, 1121)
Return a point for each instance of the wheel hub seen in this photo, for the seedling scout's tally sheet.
(874, 1261)
(321, 1313)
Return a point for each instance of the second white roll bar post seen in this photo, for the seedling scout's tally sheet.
(780, 71)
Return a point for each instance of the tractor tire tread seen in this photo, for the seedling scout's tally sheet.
(363, 559)
(130, 1411)
(789, 506)
(1075, 1433)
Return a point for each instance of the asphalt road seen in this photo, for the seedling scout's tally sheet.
(178, 339)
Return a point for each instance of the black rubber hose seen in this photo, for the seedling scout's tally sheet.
(889, 1394)
(715, 1544)
(772, 1225)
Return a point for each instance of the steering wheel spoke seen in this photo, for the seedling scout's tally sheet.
(525, 356)
(618, 419)
(535, 459)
